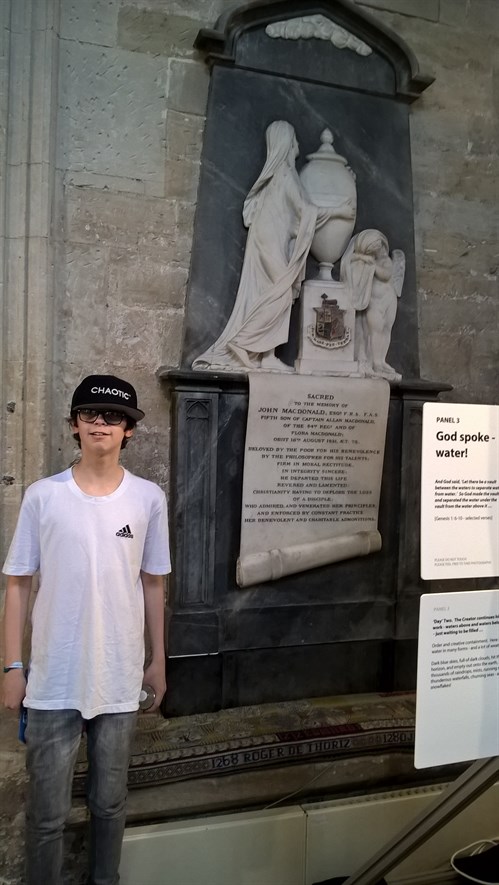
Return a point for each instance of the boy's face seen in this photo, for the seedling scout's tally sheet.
(99, 437)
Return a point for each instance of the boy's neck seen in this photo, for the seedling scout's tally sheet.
(98, 476)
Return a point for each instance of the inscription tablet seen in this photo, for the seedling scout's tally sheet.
(312, 472)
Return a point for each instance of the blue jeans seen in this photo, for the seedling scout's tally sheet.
(52, 742)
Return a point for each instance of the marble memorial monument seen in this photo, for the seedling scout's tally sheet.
(347, 334)
(302, 285)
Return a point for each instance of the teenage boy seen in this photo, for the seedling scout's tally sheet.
(98, 535)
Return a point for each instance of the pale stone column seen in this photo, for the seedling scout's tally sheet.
(28, 115)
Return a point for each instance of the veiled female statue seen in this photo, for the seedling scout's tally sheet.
(281, 221)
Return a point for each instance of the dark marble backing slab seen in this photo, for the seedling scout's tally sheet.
(329, 630)
(316, 60)
(239, 678)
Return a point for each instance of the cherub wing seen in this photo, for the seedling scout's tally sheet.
(398, 258)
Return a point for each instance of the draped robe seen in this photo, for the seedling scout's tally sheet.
(280, 234)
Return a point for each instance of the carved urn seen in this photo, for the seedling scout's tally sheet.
(330, 184)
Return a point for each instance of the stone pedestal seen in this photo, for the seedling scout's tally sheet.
(347, 626)
(327, 330)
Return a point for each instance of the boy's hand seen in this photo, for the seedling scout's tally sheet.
(154, 676)
(14, 689)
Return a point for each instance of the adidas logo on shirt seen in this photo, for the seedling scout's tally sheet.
(125, 532)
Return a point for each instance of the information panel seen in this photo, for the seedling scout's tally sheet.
(459, 491)
(457, 711)
(312, 472)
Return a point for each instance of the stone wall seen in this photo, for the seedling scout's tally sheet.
(101, 123)
(99, 198)
(454, 155)
(131, 100)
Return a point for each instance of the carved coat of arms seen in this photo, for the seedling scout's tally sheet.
(329, 330)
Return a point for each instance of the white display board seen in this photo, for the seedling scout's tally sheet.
(459, 491)
(457, 711)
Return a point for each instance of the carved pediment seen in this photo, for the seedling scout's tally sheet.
(349, 27)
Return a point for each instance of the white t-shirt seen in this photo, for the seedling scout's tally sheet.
(87, 648)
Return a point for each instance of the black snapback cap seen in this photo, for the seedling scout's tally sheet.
(106, 392)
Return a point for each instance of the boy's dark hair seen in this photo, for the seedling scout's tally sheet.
(130, 424)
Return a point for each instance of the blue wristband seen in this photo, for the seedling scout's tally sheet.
(16, 665)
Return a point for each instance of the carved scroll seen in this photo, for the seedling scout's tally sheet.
(312, 473)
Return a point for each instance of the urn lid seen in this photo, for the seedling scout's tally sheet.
(326, 150)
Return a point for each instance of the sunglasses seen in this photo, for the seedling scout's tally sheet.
(89, 416)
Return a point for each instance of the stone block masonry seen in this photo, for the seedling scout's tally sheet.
(454, 159)
(102, 134)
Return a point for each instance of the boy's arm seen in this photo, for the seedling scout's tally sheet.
(154, 606)
(15, 616)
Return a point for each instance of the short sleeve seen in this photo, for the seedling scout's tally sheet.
(23, 557)
(156, 556)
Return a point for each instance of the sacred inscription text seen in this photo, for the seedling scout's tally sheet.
(313, 461)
